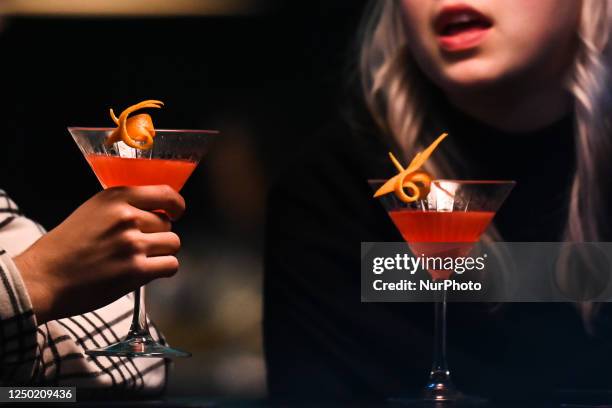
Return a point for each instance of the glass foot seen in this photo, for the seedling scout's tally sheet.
(440, 387)
(456, 400)
(138, 347)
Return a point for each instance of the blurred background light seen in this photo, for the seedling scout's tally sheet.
(131, 8)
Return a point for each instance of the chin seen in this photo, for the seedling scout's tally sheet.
(470, 75)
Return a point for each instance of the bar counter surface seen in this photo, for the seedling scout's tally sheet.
(566, 399)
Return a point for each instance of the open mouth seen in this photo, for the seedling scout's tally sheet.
(461, 27)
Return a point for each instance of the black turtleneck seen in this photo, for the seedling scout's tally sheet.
(321, 342)
(541, 162)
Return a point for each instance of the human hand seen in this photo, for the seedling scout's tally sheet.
(109, 246)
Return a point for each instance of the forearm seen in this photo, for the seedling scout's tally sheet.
(54, 353)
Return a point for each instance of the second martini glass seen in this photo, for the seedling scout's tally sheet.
(448, 222)
(171, 160)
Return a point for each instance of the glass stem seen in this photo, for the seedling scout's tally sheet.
(439, 366)
(440, 386)
(139, 328)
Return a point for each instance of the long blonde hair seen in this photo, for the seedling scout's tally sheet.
(396, 94)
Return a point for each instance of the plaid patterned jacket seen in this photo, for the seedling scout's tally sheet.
(53, 353)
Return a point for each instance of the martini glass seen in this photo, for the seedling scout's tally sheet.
(171, 160)
(446, 223)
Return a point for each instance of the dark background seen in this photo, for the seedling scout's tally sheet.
(267, 81)
(276, 74)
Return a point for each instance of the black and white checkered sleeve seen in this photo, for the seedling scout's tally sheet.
(18, 336)
(54, 353)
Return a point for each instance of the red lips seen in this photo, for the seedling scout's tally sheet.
(460, 27)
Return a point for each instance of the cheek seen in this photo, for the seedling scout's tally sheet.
(421, 41)
(413, 11)
(528, 26)
(535, 41)
(416, 19)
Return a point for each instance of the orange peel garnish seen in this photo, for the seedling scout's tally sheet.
(136, 131)
(416, 182)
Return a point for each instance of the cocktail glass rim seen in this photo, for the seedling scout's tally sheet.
(471, 181)
(110, 129)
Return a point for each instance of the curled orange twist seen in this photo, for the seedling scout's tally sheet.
(418, 183)
(409, 184)
(137, 131)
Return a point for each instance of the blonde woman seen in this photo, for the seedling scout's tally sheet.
(522, 87)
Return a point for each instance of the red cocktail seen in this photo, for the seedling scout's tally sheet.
(446, 234)
(120, 171)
